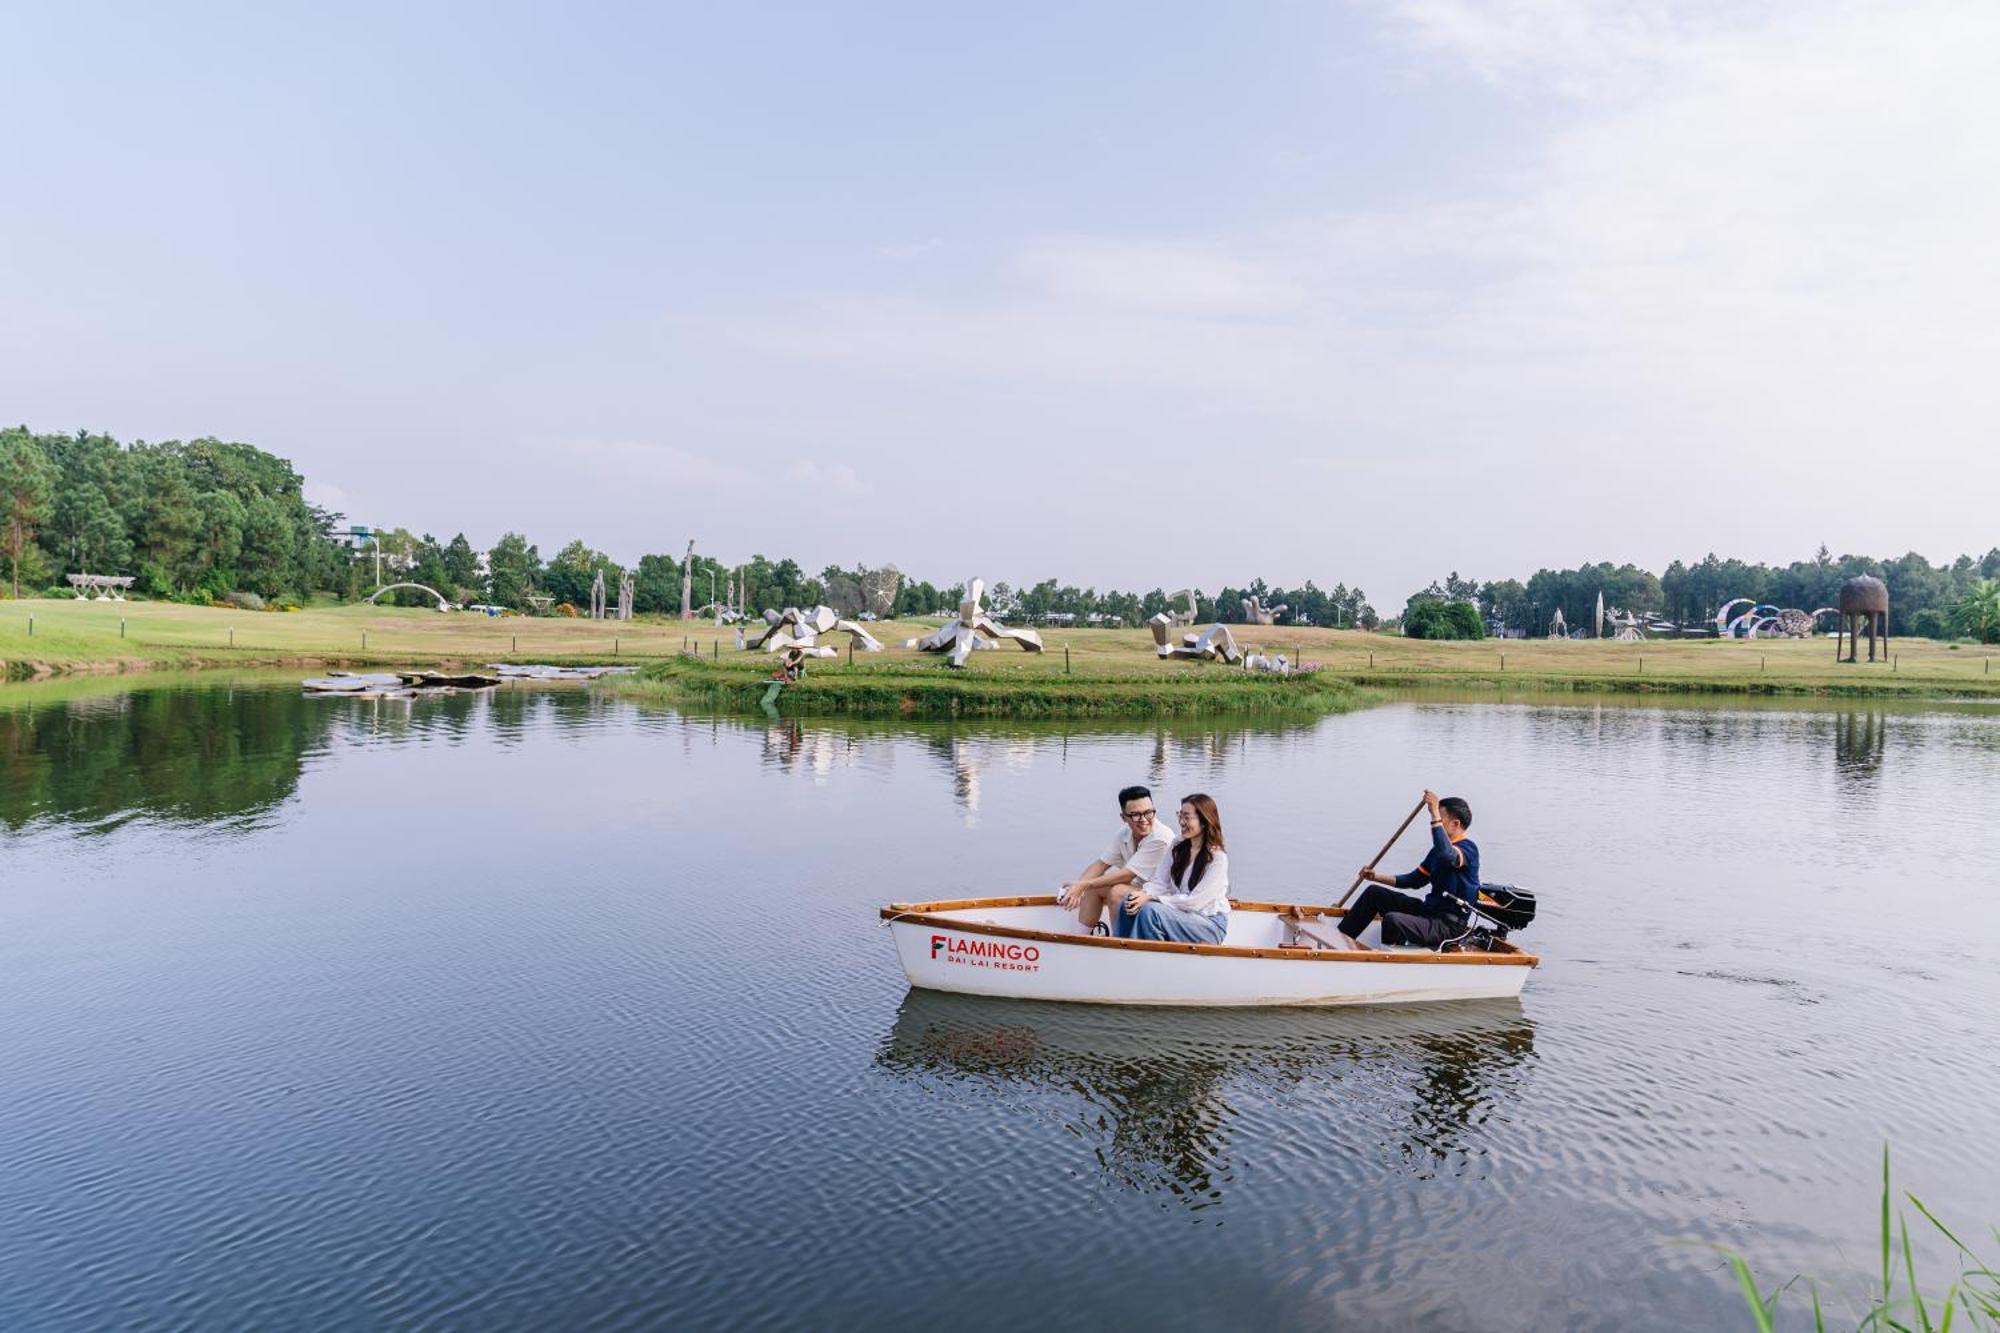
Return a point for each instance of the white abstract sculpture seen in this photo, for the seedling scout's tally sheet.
(1256, 613)
(793, 628)
(597, 596)
(627, 588)
(1558, 628)
(1627, 626)
(110, 587)
(1276, 665)
(1214, 644)
(1178, 616)
(961, 636)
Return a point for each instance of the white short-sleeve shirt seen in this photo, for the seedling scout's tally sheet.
(1144, 858)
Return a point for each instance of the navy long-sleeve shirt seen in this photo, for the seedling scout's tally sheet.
(1451, 870)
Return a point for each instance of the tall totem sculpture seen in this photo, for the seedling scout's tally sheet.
(628, 588)
(597, 596)
(687, 584)
(1864, 604)
(973, 629)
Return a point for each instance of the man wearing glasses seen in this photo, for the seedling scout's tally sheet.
(1142, 843)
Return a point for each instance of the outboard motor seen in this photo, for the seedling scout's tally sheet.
(1502, 908)
(1512, 907)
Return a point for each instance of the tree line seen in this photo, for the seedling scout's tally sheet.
(1925, 600)
(198, 519)
(206, 519)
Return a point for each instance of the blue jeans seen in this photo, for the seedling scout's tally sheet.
(1154, 922)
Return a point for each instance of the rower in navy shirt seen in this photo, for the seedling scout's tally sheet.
(1450, 872)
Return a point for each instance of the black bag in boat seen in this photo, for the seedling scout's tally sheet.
(1512, 907)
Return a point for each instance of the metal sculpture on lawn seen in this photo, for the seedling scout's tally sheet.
(1216, 644)
(793, 628)
(1558, 627)
(1765, 621)
(1175, 614)
(973, 629)
(443, 605)
(1256, 613)
(1864, 603)
(1630, 629)
(110, 587)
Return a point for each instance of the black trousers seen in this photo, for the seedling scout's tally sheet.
(1405, 920)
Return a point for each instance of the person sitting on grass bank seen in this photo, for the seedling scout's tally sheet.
(1187, 898)
(1137, 850)
(1451, 870)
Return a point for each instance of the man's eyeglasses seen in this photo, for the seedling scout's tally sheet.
(1139, 814)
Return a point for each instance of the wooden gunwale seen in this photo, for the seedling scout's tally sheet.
(924, 914)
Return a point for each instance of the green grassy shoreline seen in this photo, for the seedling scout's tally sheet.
(932, 690)
(1084, 673)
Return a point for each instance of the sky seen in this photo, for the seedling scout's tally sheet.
(1127, 295)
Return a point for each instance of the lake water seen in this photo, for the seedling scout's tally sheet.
(542, 1009)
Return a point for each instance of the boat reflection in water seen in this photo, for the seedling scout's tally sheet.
(1160, 1093)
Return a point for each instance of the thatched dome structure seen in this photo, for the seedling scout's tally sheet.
(1864, 595)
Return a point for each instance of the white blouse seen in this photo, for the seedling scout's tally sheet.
(1208, 898)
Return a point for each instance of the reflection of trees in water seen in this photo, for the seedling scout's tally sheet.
(1859, 738)
(187, 754)
(1158, 1089)
(965, 752)
(204, 751)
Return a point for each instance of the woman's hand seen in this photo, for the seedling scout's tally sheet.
(1071, 892)
(1135, 900)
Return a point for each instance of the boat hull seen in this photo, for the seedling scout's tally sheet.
(1027, 949)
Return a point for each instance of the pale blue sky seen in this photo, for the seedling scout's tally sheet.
(1021, 292)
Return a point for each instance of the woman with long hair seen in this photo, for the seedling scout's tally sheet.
(1187, 898)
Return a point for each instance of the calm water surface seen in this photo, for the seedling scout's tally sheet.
(540, 1009)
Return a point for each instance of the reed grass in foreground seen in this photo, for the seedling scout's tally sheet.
(1972, 1300)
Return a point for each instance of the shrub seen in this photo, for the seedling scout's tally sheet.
(245, 601)
(1435, 618)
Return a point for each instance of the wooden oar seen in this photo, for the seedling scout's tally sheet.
(1401, 829)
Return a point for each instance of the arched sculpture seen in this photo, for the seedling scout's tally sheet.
(1864, 603)
(443, 605)
(1214, 644)
(959, 637)
(793, 628)
(1256, 613)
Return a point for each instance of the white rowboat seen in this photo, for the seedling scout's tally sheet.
(1029, 948)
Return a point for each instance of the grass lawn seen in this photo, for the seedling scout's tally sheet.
(1117, 667)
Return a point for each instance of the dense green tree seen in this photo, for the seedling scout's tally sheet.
(656, 586)
(514, 569)
(461, 566)
(1976, 614)
(27, 492)
(572, 570)
(1430, 616)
